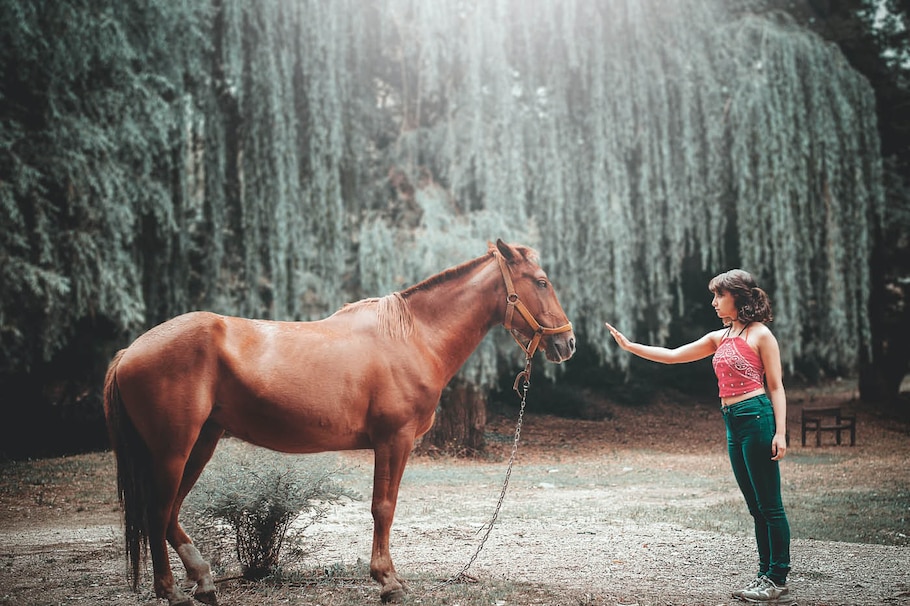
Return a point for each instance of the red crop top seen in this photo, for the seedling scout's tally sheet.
(738, 368)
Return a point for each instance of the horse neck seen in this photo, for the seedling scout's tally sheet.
(455, 314)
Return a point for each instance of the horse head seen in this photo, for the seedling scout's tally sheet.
(540, 318)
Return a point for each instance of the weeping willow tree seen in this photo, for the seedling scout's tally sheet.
(813, 199)
(249, 158)
(159, 158)
(644, 138)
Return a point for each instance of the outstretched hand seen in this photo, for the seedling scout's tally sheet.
(620, 338)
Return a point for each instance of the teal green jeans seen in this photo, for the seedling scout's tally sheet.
(750, 429)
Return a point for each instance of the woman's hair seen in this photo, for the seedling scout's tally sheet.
(752, 303)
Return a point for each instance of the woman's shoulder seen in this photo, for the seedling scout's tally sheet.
(760, 332)
(760, 328)
(716, 336)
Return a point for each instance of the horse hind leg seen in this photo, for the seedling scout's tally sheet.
(175, 476)
(168, 479)
(198, 569)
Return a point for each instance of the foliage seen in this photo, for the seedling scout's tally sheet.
(243, 157)
(86, 150)
(804, 239)
(256, 496)
(874, 36)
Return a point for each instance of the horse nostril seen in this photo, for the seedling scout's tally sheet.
(572, 345)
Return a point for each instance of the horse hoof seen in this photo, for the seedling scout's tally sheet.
(207, 597)
(392, 596)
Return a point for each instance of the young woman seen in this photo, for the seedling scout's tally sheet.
(748, 368)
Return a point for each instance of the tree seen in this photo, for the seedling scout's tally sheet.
(89, 128)
(875, 38)
(248, 158)
(741, 140)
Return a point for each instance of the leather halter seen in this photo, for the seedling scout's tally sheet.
(513, 303)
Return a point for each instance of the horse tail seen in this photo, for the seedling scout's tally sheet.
(135, 487)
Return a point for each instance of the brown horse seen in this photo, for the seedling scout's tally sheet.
(367, 377)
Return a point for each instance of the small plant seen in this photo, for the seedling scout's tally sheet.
(256, 495)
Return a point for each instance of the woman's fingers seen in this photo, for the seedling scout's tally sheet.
(617, 336)
(778, 450)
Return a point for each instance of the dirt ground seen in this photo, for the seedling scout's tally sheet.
(639, 508)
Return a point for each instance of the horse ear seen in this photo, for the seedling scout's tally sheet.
(507, 251)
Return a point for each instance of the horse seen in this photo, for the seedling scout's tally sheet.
(369, 376)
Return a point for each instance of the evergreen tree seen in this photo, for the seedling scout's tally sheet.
(91, 100)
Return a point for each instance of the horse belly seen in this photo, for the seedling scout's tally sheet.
(304, 406)
(312, 387)
(293, 427)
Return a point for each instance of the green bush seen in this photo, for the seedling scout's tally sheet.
(251, 497)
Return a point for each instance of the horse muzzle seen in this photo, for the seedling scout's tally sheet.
(559, 347)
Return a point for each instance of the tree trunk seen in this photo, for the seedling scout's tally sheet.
(881, 376)
(460, 421)
(880, 380)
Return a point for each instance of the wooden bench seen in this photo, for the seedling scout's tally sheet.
(827, 419)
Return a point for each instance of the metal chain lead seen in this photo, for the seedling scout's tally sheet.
(522, 381)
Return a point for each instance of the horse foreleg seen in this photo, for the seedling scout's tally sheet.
(389, 466)
(197, 568)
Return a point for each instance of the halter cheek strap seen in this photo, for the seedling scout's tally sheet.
(513, 303)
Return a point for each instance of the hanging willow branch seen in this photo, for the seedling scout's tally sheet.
(808, 189)
(235, 156)
(642, 146)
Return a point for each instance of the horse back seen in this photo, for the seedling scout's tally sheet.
(334, 384)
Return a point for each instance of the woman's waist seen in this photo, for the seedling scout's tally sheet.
(731, 400)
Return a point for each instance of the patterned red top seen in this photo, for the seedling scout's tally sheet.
(738, 368)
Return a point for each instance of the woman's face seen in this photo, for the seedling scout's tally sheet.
(724, 305)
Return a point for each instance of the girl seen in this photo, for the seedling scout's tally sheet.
(748, 368)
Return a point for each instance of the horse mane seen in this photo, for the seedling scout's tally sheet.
(395, 317)
(444, 276)
(456, 272)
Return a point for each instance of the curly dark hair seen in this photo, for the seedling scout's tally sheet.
(752, 303)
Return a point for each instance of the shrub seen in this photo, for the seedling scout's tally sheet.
(254, 496)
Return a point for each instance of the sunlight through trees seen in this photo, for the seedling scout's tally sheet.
(278, 159)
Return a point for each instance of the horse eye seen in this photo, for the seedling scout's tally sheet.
(542, 283)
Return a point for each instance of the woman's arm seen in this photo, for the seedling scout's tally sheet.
(690, 352)
(769, 350)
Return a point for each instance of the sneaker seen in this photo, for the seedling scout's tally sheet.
(767, 592)
(754, 583)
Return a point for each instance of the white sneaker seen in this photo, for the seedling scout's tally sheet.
(738, 593)
(768, 592)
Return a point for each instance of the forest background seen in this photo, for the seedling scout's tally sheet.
(277, 159)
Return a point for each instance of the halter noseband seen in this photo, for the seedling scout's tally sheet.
(514, 303)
